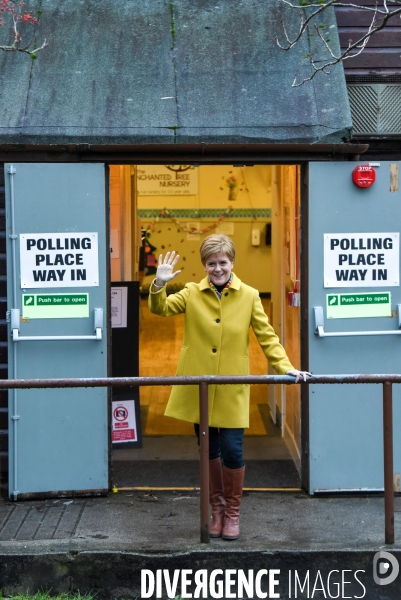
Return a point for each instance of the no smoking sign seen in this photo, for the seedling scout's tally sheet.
(120, 413)
(124, 422)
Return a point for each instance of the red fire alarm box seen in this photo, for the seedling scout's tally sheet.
(364, 176)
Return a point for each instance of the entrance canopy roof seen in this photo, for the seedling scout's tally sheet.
(140, 72)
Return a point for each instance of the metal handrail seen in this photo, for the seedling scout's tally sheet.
(204, 381)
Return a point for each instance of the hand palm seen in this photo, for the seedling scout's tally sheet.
(166, 266)
(165, 272)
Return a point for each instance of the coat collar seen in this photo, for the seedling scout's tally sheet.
(235, 284)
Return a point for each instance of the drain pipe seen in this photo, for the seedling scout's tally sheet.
(11, 170)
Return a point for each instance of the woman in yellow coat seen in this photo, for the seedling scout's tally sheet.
(218, 314)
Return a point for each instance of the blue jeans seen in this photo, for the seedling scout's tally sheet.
(226, 443)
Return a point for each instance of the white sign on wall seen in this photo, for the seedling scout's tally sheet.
(167, 180)
(54, 260)
(361, 259)
(119, 299)
(124, 422)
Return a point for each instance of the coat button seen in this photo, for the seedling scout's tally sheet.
(214, 350)
(226, 294)
(217, 320)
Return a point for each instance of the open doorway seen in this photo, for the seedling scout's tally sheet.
(156, 209)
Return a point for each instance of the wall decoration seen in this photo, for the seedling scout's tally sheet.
(232, 184)
(190, 229)
(150, 260)
(193, 230)
(206, 213)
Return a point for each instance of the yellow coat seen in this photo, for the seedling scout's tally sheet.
(216, 340)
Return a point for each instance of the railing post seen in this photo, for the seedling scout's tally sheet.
(204, 462)
(388, 462)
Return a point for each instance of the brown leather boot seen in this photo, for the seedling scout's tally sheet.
(216, 497)
(233, 481)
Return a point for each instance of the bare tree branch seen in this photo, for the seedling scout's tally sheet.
(304, 23)
(353, 49)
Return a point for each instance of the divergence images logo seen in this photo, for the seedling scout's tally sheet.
(386, 564)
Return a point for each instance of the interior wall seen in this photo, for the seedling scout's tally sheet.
(264, 195)
(251, 209)
(116, 209)
(122, 218)
(285, 318)
(292, 313)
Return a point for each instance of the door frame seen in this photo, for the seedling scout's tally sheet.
(301, 158)
(304, 308)
(304, 264)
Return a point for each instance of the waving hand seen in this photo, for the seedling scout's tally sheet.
(165, 268)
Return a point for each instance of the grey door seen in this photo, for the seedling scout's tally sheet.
(354, 286)
(57, 288)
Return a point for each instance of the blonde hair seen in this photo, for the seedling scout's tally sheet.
(217, 244)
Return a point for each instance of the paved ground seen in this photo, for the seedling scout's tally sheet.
(103, 544)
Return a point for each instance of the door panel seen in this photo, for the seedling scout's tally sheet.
(346, 449)
(60, 439)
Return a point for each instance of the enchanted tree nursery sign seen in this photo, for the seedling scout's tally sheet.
(361, 259)
(167, 180)
(51, 260)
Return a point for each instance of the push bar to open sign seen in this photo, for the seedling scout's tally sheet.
(319, 326)
(15, 328)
